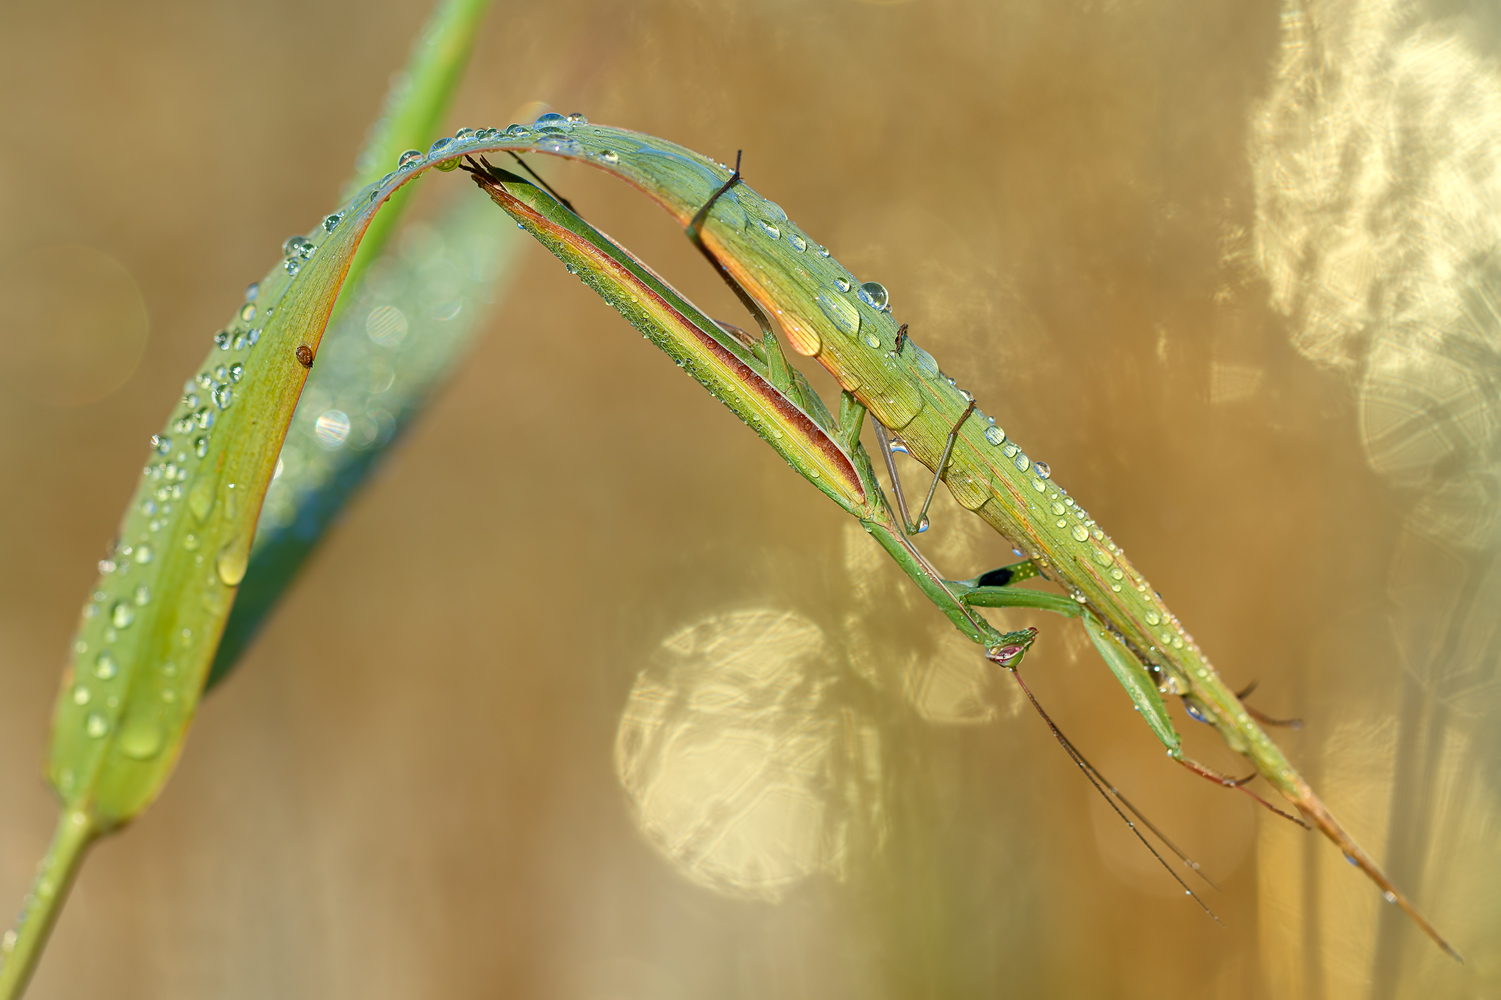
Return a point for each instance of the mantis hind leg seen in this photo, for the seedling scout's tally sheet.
(920, 524)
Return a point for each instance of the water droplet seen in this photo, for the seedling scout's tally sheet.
(1195, 711)
(81, 694)
(519, 131)
(247, 312)
(142, 596)
(871, 340)
(386, 179)
(609, 156)
(223, 396)
(1010, 451)
(551, 119)
(122, 614)
(1080, 532)
(253, 337)
(221, 341)
(994, 435)
(252, 291)
(1389, 896)
(144, 553)
(798, 243)
(293, 246)
(201, 498)
(96, 725)
(437, 145)
(1104, 559)
(1115, 574)
(560, 144)
(1042, 469)
(873, 294)
(293, 265)
(231, 564)
(408, 158)
(1058, 509)
(842, 284)
(927, 365)
(105, 665)
(577, 119)
(236, 372)
(1022, 463)
(331, 222)
(840, 312)
(140, 738)
(771, 230)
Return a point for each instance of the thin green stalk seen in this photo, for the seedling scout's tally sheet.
(22, 947)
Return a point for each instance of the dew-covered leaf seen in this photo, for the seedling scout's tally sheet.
(403, 332)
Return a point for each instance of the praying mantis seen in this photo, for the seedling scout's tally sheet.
(123, 712)
(847, 326)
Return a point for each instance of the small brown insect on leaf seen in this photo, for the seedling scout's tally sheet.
(305, 355)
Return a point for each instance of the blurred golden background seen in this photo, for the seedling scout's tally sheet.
(589, 697)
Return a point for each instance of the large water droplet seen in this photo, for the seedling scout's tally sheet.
(771, 230)
(293, 246)
(1153, 618)
(201, 498)
(1042, 469)
(223, 396)
(122, 614)
(105, 666)
(141, 738)
(81, 694)
(798, 243)
(553, 119)
(560, 144)
(840, 312)
(873, 294)
(1022, 462)
(96, 725)
(926, 364)
(609, 156)
(408, 158)
(247, 312)
(231, 564)
(995, 436)
(236, 372)
(252, 290)
(331, 222)
(577, 119)
(842, 284)
(1079, 532)
(438, 145)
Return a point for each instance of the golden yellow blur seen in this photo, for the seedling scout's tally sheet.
(591, 697)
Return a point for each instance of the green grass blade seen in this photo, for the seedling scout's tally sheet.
(415, 104)
(153, 622)
(403, 334)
